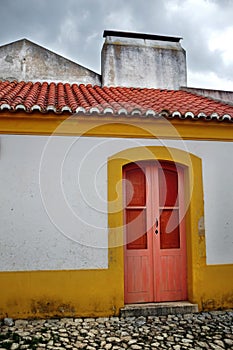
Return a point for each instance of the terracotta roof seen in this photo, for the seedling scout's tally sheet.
(88, 99)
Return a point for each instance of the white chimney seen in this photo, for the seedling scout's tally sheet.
(143, 60)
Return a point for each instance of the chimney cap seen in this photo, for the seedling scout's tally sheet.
(141, 36)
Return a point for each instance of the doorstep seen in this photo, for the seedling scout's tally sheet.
(158, 309)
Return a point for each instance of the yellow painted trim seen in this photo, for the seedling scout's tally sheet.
(113, 126)
(216, 287)
(202, 279)
(38, 294)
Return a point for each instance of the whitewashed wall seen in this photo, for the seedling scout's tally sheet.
(53, 204)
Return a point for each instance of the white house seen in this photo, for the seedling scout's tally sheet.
(117, 192)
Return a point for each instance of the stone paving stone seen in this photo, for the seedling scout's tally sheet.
(205, 330)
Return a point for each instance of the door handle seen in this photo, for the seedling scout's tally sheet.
(156, 225)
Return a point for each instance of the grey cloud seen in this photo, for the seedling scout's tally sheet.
(74, 28)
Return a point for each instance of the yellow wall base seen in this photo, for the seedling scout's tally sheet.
(95, 293)
(215, 288)
(58, 294)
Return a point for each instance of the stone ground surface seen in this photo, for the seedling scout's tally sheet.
(205, 330)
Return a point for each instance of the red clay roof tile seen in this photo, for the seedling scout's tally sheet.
(116, 100)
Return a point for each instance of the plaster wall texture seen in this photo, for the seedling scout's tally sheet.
(54, 213)
(27, 61)
(219, 95)
(143, 63)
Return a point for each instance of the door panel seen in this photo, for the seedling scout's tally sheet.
(136, 229)
(135, 187)
(169, 229)
(168, 185)
(170, 280)
(155, 244)
(138, 256)
(138, 285)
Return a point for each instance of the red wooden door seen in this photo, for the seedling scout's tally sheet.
(155, 244)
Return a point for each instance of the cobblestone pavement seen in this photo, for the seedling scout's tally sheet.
(206, 330)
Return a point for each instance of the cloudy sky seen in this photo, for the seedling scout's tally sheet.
(74, 28)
